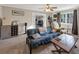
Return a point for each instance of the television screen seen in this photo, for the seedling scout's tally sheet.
(40, 23)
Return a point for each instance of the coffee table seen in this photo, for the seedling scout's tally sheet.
(64, 43)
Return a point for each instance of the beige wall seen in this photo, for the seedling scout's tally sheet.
(29, 17)
(0, 12)
(8, 18)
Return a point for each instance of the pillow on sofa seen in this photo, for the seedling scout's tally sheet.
(48, 30)
(41, 29)
(43, 33)
(35, 36)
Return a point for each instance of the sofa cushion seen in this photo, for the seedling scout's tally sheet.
(36, 36)
(48, 30)
(43, 33)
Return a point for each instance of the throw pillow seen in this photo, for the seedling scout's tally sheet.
(35, 36)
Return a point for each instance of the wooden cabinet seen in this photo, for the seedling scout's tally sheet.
(14, 30)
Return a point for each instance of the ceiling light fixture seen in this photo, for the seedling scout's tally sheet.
(48, 8)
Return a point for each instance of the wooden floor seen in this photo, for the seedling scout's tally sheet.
(15, 45)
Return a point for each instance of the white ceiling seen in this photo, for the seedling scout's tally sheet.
(36, 7)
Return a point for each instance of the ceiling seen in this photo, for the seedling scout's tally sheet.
(36, 7)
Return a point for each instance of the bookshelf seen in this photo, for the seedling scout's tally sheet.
(14, 30)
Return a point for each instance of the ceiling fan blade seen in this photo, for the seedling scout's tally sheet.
(51, 9)
(48, 8)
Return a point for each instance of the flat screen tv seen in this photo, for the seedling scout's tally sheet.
(40, 23)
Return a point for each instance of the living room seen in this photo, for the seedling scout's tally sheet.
(16, 19)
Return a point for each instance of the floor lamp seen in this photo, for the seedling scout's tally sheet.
(25, 28)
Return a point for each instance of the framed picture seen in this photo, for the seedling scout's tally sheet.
(17, 13)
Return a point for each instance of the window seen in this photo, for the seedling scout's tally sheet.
(63, 18)
(67, 18)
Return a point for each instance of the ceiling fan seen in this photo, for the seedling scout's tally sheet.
(49, 8)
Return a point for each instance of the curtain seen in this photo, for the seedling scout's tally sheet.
(75, 27)
(58, 19)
